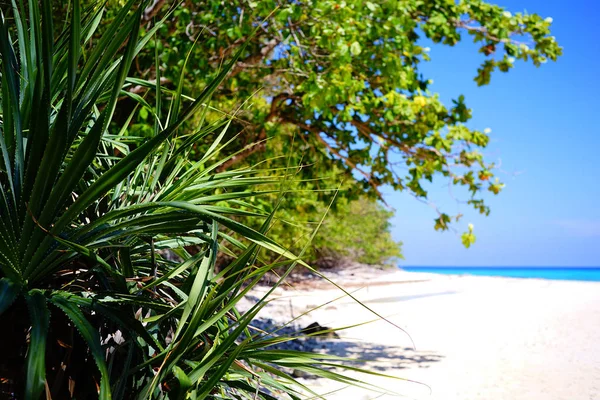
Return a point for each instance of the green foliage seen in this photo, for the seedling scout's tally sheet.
(468, 238)
(353, 230)
(358, 230)
(96, 281)
(344, 77)
(303, 201)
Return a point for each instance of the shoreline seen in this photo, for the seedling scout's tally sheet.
(578, 274)
(476, 336)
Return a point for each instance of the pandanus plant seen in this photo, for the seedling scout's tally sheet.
(99, 295)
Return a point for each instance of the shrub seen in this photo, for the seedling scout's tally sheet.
(98, 294)
(358, 230)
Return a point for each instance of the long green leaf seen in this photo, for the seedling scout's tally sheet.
(10, 110)
(8, 293)
(131, 161)
(36, 354)
(84, 154)
(90, 335)
(124, 320)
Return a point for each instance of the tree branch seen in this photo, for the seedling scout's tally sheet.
(152, 10)
(259, 144)
(335, 152)
(464, 24)
(255, 59)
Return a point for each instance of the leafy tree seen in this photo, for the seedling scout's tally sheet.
(361, 232)
(350, 229)
(344, 77)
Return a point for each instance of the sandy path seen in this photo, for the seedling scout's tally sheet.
(476, 337)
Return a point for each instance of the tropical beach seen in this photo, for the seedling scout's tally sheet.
(474, 337)
(211, 200)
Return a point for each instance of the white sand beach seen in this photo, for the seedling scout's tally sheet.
(476, 337)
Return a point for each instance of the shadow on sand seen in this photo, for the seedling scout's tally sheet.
(376, 356)
(363, 354)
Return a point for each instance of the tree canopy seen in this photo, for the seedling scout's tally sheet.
(342, 78)
(346, 75)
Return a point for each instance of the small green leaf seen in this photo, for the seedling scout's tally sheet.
(468, 238)
(184, 382)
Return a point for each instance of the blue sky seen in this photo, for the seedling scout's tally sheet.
(546, 134)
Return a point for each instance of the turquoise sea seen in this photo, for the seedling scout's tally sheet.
(557, 273)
